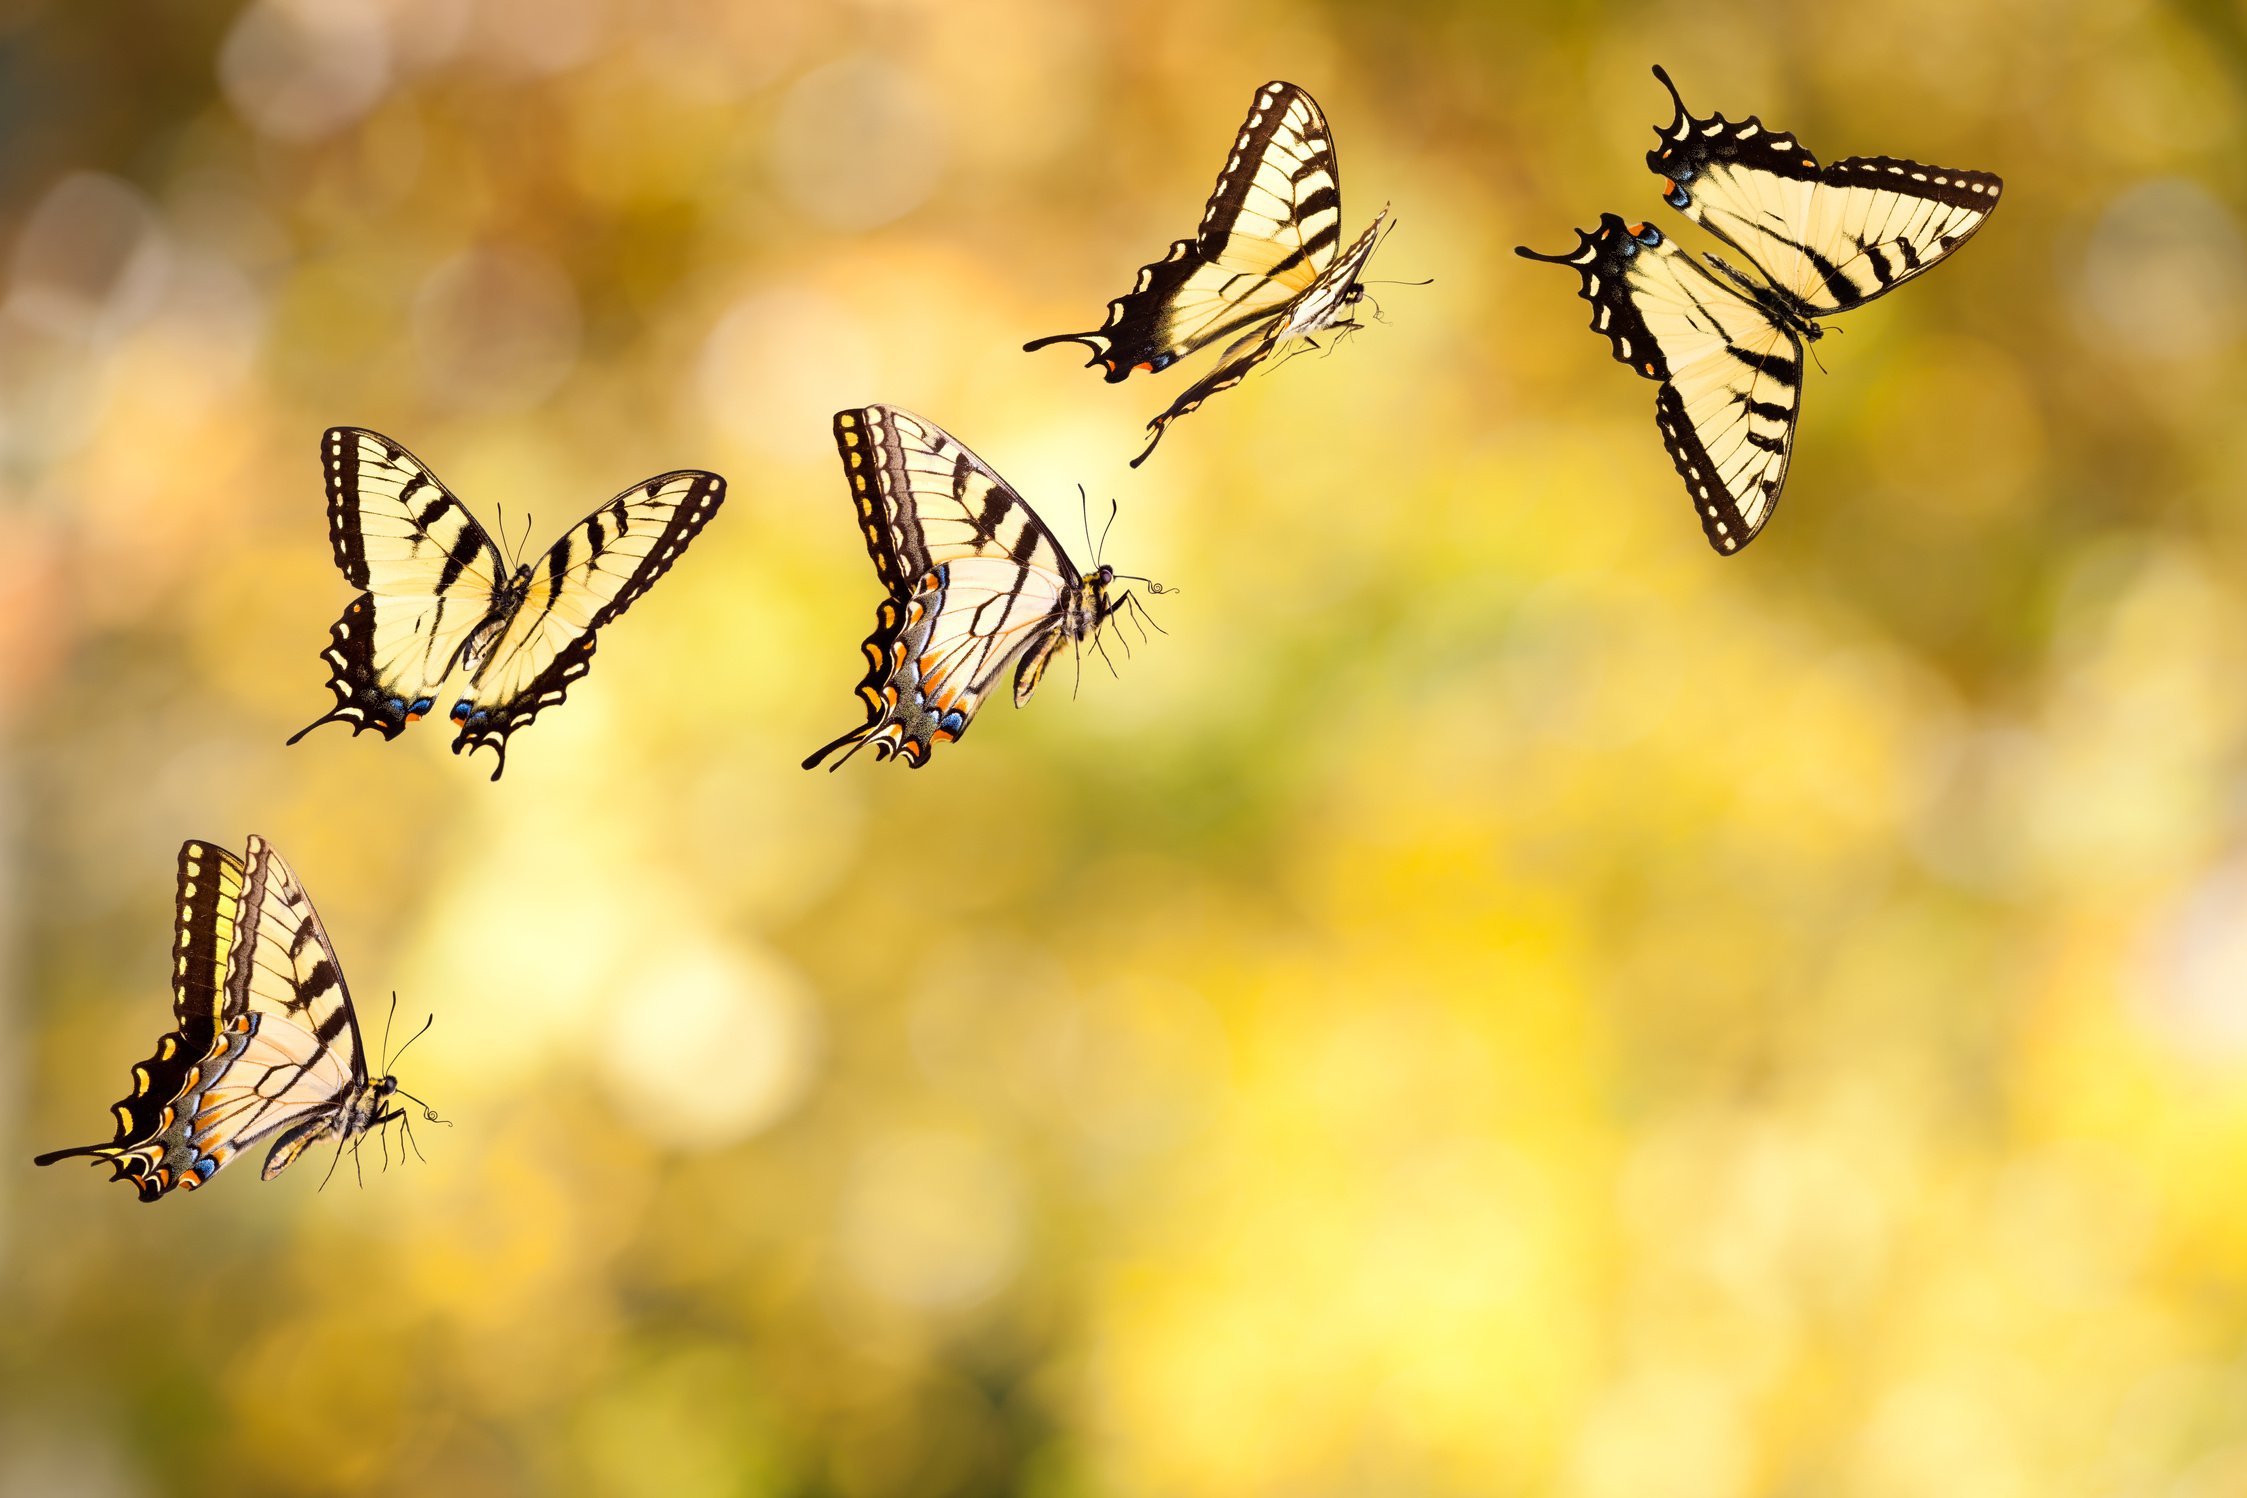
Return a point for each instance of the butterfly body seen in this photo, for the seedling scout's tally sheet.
(1264, 263)
(1726, 341)
(975, 581)
(439, 601)
(265, 1044)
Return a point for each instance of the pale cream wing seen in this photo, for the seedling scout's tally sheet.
(1830, 237)
(1731, 376)
(592, 574)
(974, 578)
(1270, 229)
(429, 577)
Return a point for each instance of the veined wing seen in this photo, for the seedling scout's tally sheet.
(1731, 376)
(974, 579)
(297, 1057)
(429, 576)
(1325, 304)
(1269, 231)
(596, 571)
(1829, 237)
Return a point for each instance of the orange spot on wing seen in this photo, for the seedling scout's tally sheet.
(1147, 365)
(1668, 187)
(1636, 229)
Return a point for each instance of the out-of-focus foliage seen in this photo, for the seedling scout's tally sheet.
(1499, 1000)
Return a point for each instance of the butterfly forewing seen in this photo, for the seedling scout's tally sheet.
(428, 572)
(1270, 228)
(1882, 221)
(592, 574)
(974, 580)
(284, 967)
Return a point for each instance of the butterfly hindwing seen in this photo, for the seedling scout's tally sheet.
(1829, 237)
(1269, 229)
(596, 571)
(975, 582)
(428, 573)
(1731, 377)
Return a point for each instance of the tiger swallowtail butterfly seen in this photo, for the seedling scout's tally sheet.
(437, 598)
(975, 582)
(264, 1046)
(1266, 264)
(1727, 344)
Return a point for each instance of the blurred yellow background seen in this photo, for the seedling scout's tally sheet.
(1498, 1001)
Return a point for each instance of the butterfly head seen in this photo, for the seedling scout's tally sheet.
(1098, 600)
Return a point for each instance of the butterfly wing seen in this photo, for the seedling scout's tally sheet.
(1731, 376)
(150, 1150)
(1829, 237)
(1269, 231)
(974, 580)
(1324, 305)
(429, 577)
(266, 1037)
(596, 571)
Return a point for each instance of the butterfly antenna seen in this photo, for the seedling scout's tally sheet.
(1084, 519)
(424, 1030)
(428, 1114)
(1101, 548)
(386, 1019)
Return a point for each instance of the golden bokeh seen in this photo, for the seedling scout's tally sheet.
(1497, 1000)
